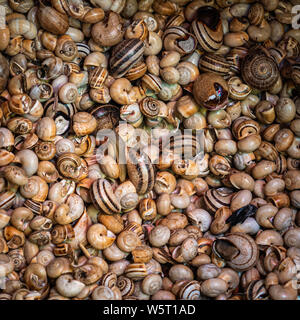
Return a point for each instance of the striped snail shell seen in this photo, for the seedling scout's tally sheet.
(126, 286)
(179, 39)
(235, 56)
(7, 199)
(174, 21)
(239, 251)
(83, 51)
(211, 62)
(109, 280)
(103, 197)
(256, 290)
(137, 228)
(189, 290)
(217, 198)
(237, 89)
(136, 271)
(97, 77)
(140, 171)
(259, 70)
(150, 107)
(61, 114)
(125, 55)
(137, 71)
(186, 145)
(208, 29)
(152, 82)
(244, 127)
(71, 166)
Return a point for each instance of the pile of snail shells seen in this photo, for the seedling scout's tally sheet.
(223, 224)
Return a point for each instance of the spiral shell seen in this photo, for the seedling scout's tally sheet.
(103, 197)
(109, 280)
(189, 290)
(126, 286)
(140, 171)
(150, 107)
(259, 70)
(217, 198)
(127, 241)
(71, 166)
(238, 249)
(208, 29)
(62, 233)
(125, 55)
(179, 39)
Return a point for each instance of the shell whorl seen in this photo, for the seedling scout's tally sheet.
(259, 70)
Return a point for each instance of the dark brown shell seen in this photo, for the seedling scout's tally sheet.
(259, 70)
(107, 116)
(125, 55)
(4, 72)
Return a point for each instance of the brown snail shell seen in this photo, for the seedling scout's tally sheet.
(125, 55)
(238, 249)
(109, 31)
(103, 197)
(217, 198)
(208, 29)
(259, 70)
(140, 171)
(211, 91)
(71, 166)
(53, 21)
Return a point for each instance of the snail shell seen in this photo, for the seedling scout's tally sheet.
(140, 171)
(103, 197)
(211, 62)
(136, 271)
(211, 91)
(125, 55)
(189, 290)
(179, 39)
(150, 107)
(217, 198)
(238, 249)
(53, 21)
(71, 166)
(97, 77)
(126, 286)
(208, 29)
(259, 70)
